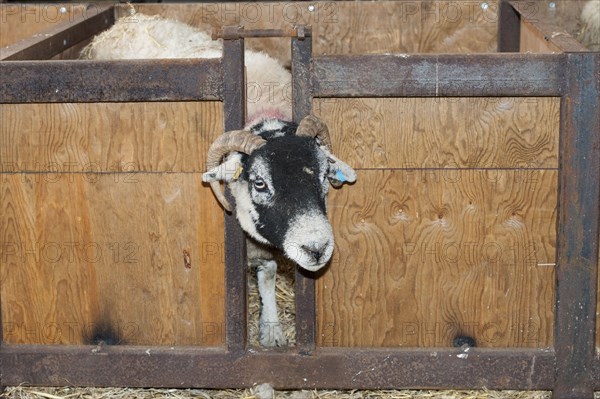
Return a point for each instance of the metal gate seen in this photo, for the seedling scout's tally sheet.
(571, 368)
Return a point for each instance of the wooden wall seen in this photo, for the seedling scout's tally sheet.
(563, 15)
(94, 231)
(450, 229)
(20, 21)
(349, 27)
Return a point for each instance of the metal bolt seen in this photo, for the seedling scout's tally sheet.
(552, 5)
(484, 6)
(311, 8)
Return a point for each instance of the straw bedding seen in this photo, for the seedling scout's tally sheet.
(126, 393)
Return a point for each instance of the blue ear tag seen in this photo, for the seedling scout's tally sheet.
(340, 176)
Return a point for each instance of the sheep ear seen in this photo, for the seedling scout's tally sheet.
(339, 172)
(228, 171)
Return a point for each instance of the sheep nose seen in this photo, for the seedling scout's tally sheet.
(314, 249)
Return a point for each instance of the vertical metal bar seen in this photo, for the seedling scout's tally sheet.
(509, 28)
(301, 77)
(234, 101)
(577, 247)
(305, 283)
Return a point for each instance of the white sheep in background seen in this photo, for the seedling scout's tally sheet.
(589, 32)
(278, 172)
(150, 37)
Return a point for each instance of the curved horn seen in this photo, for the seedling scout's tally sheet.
(235, 140)
(312, 126)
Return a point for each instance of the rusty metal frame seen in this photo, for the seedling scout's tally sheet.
(304, 284)
(234, 106)
(577, 230)
(55, 40)
(571, 368)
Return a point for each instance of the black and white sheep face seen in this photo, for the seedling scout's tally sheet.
(285, 192)
(281, 193)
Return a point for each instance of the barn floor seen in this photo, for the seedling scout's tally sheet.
(127, 393)
(122, 393)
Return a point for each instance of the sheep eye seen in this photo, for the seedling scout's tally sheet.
(260, 185)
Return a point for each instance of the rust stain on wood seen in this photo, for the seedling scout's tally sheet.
(187, 259)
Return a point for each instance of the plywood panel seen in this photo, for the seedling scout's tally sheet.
(47, 293)
(83, 253)
(108, 137)
(444, 133)
(562, 14)
(20, 21)
(346, 27)
(533, 41)
(120, 265)
(424, 256)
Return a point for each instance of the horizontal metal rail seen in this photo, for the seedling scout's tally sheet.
(335, 76)
(114, 81)
(347, 368)
(407, 75)
(238, 32)
(56, 39)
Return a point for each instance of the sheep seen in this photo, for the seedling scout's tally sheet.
(589, 32)
(279, 174)
(277, 171)
(141, 36)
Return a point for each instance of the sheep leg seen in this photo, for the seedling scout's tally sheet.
(271, 333)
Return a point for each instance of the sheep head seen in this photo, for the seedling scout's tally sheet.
(279, 174)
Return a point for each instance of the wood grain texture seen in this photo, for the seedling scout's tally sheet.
(108, 137)
(423, 256)
(444, 132)
(81, 251)
(119, 264)
(534, 41)
(347, 27)
(562, 14)
(20, 21)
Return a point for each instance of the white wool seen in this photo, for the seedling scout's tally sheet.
(589, 33)
(151, 37)
(268, 84)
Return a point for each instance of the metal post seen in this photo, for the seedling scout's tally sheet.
(578, 211)
(305, 283)
(234, 102)
(509, 28)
